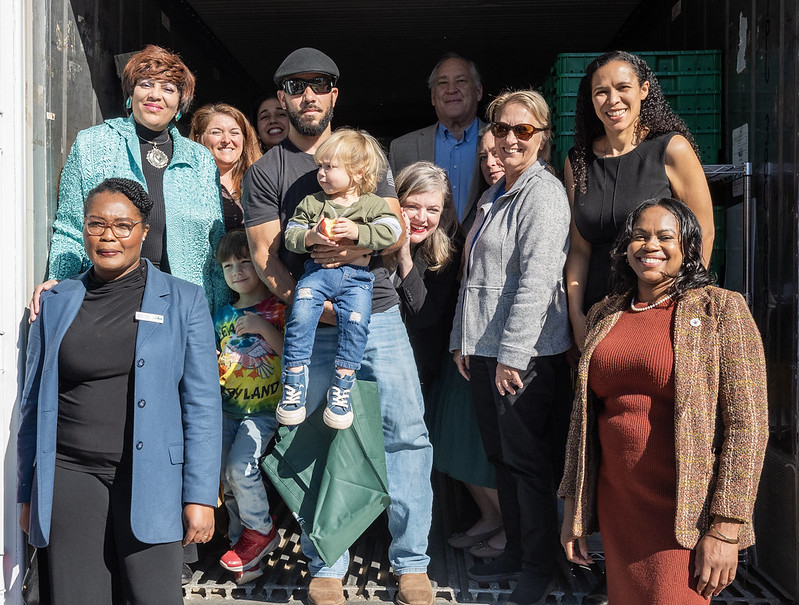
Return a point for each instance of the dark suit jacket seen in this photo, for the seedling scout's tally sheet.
(421, 145)
(177, 417)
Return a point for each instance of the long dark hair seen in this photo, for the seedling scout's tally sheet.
(692, 273)
(656, 117)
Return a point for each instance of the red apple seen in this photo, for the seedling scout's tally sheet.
(325, 227)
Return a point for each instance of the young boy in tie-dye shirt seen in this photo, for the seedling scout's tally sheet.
(249, 337)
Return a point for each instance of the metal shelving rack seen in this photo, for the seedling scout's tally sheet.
(726, 173)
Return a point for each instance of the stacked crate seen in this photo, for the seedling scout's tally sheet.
(690, 80)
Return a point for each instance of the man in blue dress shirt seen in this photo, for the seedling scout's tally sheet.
(451, 143)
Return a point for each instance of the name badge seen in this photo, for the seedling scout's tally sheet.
(158, 319)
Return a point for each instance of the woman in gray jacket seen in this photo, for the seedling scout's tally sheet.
(509, 339)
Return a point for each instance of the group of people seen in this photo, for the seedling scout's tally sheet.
(201, 294)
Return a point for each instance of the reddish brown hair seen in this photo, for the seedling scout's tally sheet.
(160, 64)
(250, 151)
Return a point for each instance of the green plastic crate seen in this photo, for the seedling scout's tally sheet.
(566, 84)
(694, 101)
(700, 121)
(661, 62)
(677, 82)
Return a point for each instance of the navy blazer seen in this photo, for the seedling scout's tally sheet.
(177, 414)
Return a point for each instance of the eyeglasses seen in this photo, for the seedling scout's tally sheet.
(523, 132)
(120, 229)
(320, 85)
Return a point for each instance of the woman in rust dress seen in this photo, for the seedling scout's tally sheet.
(672, 391)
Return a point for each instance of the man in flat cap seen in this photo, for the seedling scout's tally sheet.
(452, 142)
(273, 187)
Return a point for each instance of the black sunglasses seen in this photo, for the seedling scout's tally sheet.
(523, 132)
(320, 85)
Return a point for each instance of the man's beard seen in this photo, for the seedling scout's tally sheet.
(309, 129)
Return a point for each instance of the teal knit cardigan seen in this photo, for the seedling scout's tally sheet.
(194, 222)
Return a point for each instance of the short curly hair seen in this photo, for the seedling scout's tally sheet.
(130, 189)
(158, 63)
(693, 273)
(656, 117)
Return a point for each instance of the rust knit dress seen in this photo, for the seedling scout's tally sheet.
(632, 372)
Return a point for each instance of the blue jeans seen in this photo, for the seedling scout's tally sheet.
(388, 360)
(349, 288)
(243, 443)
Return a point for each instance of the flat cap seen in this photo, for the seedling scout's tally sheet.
(306, 60)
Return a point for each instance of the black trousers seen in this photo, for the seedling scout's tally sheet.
(525, 438)
(94, 557)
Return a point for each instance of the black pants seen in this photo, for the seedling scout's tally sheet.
(94, 557)
(525, 438)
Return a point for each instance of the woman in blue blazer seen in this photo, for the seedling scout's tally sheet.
(120, 437)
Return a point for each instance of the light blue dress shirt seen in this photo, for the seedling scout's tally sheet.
(458, 158)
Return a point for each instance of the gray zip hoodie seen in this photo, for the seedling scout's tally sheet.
(512, 299)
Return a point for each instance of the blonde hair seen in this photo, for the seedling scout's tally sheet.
(250, 150)
(534, 103)
(425, 177)
(358, 153)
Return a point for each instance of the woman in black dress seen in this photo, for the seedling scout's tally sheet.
(628, 146)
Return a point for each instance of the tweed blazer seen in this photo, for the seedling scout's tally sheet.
(421, 145)
(720, 414)
(192, 199)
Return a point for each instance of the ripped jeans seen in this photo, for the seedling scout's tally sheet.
(349, 288)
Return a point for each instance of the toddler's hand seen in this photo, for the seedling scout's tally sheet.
(344, 227)
(315, 236)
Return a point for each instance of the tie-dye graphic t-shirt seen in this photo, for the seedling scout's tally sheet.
(249, 370)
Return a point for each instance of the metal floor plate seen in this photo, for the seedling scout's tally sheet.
(286, 578)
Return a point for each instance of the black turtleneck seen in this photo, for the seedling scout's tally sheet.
(95, 375)
(154, 247)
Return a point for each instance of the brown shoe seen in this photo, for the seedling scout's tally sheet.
(325, 591)
(414, 589)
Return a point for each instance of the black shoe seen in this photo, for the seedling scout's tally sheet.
(504, 567)
(185, 575)
(532, 589)
(599, 594)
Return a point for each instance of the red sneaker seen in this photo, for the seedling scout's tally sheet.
(250, 549)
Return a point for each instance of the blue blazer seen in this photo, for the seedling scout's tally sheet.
(177, 417)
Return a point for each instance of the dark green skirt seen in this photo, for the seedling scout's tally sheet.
(457, 447)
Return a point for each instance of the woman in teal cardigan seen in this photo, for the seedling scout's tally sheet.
(179, 175)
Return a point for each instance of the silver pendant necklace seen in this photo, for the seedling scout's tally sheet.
(652, 306)
(155, 157)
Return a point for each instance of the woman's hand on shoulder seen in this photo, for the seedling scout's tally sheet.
(198, 523)
(716, 560)
(37, 293)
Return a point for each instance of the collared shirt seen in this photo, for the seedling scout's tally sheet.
(457, 158)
